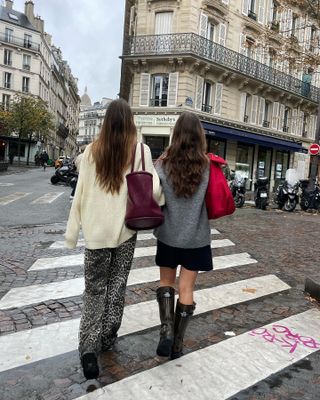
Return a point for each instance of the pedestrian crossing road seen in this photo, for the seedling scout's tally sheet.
(215, 372)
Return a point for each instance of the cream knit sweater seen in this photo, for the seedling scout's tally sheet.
(101, 214)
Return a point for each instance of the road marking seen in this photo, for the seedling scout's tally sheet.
(12, 197)
(141, 236)
(47, 198)
(220, 262)
(216, 372)
(25, 347)
(22, 296)
(6, 184)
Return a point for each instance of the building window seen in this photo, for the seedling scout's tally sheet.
(7, 80)
(163, 23)
(304, 126)
(281, 166)
(286, 120)
(206, 97)
(8, 36)
(252, 9)
(313, 39)
(247, 108)
(159, 90)
(7, 59)
(6, 101)
(294, 31)
(27, 41)
(157, 145)
(26, 62)
(25, 84)
(267, 114)
(244, 161)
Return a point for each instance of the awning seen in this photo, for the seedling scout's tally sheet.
(224, 132)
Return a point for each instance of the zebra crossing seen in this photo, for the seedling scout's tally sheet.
(46, 198)
(206, 373)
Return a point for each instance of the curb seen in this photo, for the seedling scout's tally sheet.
(312, 286)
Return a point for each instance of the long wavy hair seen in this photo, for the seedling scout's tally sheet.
(112, 151)
(185, 159)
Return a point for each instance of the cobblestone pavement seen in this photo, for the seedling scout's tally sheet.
(284, 244)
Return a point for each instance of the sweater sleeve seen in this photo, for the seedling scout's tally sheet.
(157, 188)
(73, 225)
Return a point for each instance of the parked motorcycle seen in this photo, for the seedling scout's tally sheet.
(261, 193)
(64, 174)
(238, 188)
(310, 199)
(287, 193)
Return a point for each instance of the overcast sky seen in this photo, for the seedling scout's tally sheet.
(89, 33)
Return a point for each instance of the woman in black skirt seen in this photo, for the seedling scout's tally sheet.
(184, 238)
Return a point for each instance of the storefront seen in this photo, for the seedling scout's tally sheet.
(255, 155)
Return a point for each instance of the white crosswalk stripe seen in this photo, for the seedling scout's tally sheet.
(47, 198)
(219, 371)
(24, 347)
(78, 259)
(5, 200)
(141, 236)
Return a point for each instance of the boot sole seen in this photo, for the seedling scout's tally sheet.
(164, 348)
(90, 366)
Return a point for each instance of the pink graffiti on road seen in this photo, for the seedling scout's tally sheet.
(282, 335)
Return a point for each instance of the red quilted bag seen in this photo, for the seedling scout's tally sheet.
(219, 200)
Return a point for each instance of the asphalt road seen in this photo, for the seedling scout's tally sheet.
(35, 201)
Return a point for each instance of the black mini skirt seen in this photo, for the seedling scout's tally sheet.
(199, 259)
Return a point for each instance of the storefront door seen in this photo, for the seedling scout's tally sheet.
(244, 161)
(264, 162)
(281, 166)
(157, 145)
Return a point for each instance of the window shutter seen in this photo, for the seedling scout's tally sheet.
(301, 29)
(261, 12)
(245, 7)
(294, 121)
(203, 25)
(301, 118)
(199, 92)
(254, 110)
(222, 34)
(315, 123)
(242, 48)
(281, 117)
(283, 15)
(243, 99)
(132, 19)
(262, 105)
(289, 23)
(144, 89)
(218, 99)
(307, 38)
(270, 9)
(275, 115)
(173, 89)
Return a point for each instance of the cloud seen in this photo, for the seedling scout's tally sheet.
(89, 33)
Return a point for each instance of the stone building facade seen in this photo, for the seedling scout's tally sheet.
(31, 65)
(249, 69)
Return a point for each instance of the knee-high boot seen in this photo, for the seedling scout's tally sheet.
(165, 297)
(182, 317)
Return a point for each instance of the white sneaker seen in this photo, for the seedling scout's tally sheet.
(71, 197)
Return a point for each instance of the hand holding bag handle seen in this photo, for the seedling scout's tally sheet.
(143, 212)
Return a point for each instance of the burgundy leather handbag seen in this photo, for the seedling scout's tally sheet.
(143, 212)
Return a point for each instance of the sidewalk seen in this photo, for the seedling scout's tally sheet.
(15, 168)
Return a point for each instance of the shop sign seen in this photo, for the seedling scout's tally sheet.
(155, 120)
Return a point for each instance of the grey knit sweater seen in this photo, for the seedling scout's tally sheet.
(186, 222)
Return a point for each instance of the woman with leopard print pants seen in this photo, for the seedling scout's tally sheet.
(99, 206)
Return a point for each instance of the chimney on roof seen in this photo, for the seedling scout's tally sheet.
(9, 4)
(29, 10)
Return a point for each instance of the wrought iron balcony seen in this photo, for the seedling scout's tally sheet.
(158, 102)
(266, 124)
(19, 42)
(63, 131)
(193, 44)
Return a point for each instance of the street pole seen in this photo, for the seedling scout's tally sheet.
(315, 159)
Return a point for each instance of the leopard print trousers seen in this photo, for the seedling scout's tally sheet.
(106, 273)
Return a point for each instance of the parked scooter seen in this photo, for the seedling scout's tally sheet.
(261, 196)
(309, 199)
(64, 174)
(287, 193)
(238, 188)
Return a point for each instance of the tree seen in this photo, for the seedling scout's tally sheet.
(28, 117)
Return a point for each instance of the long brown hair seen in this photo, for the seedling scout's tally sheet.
(185, 159)
(112, 150)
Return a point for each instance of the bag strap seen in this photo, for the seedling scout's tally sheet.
(134, 156)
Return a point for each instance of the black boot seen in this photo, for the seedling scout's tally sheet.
(90, 366)
(182, 317)
(165, 297)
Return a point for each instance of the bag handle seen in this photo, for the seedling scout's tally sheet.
(134, 156)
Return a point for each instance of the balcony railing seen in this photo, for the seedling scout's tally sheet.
(206, 108)
(63, 131)
(158, 102)
(193, 44)
(19, 42)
